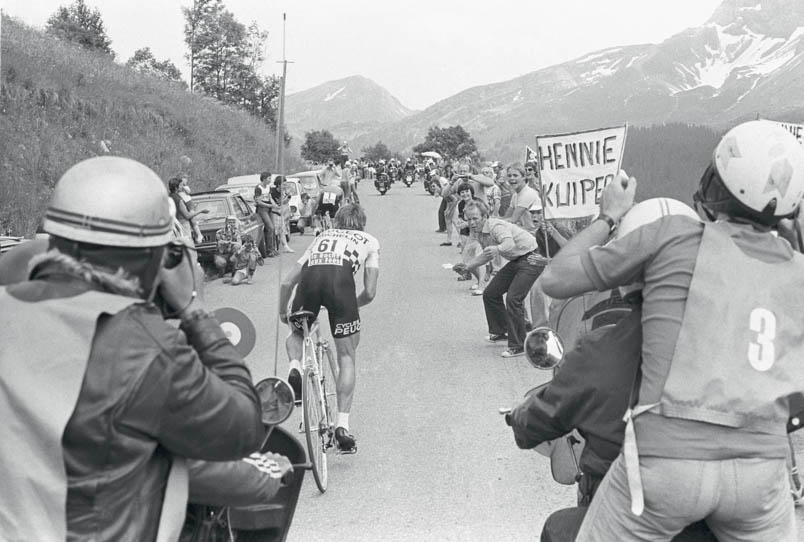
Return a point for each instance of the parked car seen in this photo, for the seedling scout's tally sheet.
(294, 189)
(8, 242)
(245, 187)
(310, 181)
(223, 203)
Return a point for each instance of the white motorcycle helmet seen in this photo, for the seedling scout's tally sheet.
(757, 173)
(110, 201)
(646, 212)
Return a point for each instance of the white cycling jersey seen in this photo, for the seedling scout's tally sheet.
(338, 247)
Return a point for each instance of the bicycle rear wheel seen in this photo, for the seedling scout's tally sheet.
(315, 427)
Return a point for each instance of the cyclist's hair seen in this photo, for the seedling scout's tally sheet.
(265, 175)
(518, 167)
(246, 238)
(466, 186)
(350, 217)
(479, 205)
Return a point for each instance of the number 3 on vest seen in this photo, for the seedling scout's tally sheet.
(762, 354)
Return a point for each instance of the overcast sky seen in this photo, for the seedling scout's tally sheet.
(420, 50)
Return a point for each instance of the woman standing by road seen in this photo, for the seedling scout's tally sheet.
(178, 188)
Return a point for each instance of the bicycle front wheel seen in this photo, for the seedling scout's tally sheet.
(315, 427)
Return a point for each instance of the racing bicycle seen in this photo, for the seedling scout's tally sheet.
(318, 395)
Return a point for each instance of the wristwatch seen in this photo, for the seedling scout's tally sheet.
(608, 220)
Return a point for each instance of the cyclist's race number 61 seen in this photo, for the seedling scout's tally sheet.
(761, 352)
(327, 245)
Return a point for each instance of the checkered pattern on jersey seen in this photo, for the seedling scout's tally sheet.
(354, 258)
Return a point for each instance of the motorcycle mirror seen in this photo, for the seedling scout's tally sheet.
(544, 348)
(277, 399)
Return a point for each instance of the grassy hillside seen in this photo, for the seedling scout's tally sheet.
(60, 104)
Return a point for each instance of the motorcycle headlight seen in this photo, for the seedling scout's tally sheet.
(293, 209)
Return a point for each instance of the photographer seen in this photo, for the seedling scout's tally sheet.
(227, 241)
(100, 395)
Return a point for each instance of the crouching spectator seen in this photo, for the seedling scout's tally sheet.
(305, 213)
(228, 241)
(506, 319)
(245, 259)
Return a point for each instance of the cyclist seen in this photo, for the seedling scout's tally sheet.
(325, 276)
(329, 200)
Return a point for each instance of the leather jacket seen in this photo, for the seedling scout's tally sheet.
(150, 391)
(590, 392)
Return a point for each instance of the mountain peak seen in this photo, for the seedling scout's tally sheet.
(773, 18)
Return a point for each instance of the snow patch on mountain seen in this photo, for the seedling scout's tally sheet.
(598, 54)
(333, 94)
(742, 54)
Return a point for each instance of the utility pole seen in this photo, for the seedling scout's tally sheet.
(280, 124)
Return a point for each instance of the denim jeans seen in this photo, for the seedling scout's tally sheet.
(743, 499)
(268, 229)
(442, 222)
(514, 281)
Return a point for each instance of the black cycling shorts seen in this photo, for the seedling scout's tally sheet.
(333, 287)
(324, 207)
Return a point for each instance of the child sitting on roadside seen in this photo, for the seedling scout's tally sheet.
(245, 259)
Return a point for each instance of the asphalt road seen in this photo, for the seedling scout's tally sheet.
(435, 461)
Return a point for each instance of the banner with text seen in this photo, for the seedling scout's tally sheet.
(576, 167)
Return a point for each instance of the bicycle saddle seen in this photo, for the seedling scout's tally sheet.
(297, 317)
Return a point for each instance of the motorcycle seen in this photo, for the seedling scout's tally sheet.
(381, 184)
(408, 179)
(267, 521)
(576, 317)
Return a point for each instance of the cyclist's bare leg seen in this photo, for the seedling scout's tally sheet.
(293, 345)
(347, 351)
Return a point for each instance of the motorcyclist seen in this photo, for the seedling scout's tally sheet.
(382, 179)
(101, 397)
(591, 390)
(721, 347)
